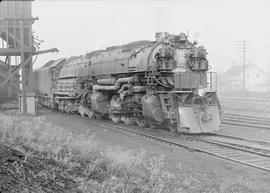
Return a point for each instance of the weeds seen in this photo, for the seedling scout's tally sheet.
(80, 158)
(52, 160)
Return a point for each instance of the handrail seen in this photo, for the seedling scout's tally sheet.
(212, 82)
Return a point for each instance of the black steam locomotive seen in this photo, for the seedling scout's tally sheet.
(148, 83)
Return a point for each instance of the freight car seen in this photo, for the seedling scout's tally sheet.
(162, 82)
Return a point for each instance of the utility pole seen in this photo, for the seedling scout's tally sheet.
(244, 46)
(24, 109)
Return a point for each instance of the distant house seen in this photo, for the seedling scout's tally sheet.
(256, 79)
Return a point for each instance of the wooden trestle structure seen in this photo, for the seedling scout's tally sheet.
(17, 47)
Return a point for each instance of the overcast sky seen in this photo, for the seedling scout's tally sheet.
(77, 27)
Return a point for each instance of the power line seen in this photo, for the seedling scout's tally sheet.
(244, 46)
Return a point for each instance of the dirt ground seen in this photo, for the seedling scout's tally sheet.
(210, 169)
(22, 173)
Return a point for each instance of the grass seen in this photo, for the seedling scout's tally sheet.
(58, 161)
(93, 166)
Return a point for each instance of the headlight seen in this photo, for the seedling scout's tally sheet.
(201, 92)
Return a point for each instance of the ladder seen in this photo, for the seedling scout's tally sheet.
(167, 104)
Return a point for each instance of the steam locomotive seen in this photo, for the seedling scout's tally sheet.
(165, 82)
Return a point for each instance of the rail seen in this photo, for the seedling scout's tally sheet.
(247, 156)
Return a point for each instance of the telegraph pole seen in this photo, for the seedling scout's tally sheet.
(24, 109)
(244, 64)
(243, 46)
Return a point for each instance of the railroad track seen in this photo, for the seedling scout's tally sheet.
(5, 107)
(247, 109)
(265, 99)
(246, 104)
(250, 152)
(246, 120)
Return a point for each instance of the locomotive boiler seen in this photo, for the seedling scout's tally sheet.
(165, 83)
